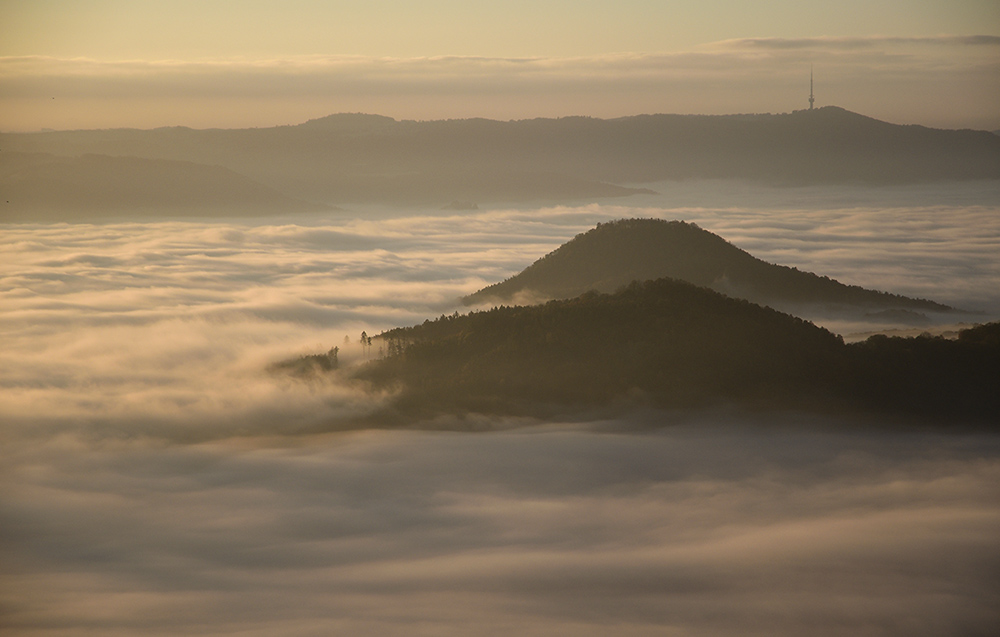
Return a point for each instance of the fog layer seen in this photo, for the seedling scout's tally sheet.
(694, 530)
(152, 328)
(157, 480)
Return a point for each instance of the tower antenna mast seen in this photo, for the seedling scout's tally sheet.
(811, 98)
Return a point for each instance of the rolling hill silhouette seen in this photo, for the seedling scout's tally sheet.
(40, 187)
(356, 158)
(614, 254)
(668, 343)
(682, 344)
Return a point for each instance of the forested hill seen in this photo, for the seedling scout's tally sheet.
(348, 158)
(615, 254)
(682, 344)
(669, 343)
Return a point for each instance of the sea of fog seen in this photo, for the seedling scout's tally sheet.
(156, 480)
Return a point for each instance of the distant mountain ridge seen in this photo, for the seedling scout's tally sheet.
(615, 254)
(40, 187)
(357, 158)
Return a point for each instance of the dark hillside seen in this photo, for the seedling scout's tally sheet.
(672, 342)
(615, 254)
(932, 376)
(41, 187)
(668, 343)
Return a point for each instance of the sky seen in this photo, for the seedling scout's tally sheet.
(114, 63)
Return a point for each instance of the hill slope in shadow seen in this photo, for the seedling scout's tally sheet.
(614, 254)
(668, 343)
(92, 187)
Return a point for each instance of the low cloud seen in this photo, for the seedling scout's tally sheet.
(156, 479)
(553, 530)
(170, 324)
(866, 42)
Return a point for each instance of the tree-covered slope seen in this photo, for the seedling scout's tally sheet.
(615, 254)
(675, 342)
(669, 343)
(933, 376)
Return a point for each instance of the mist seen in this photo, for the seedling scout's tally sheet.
(556, 529)
(158, 479)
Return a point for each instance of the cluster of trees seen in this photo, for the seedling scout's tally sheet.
(366, 344)
(310, 364)
(390, 346)
(670, 343)
(933, 376)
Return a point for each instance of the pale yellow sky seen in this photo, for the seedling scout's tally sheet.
(244, 63)
(188, 29)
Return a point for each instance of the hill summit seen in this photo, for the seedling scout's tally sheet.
(615, 254)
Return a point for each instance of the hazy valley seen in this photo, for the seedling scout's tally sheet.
(352, 159)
